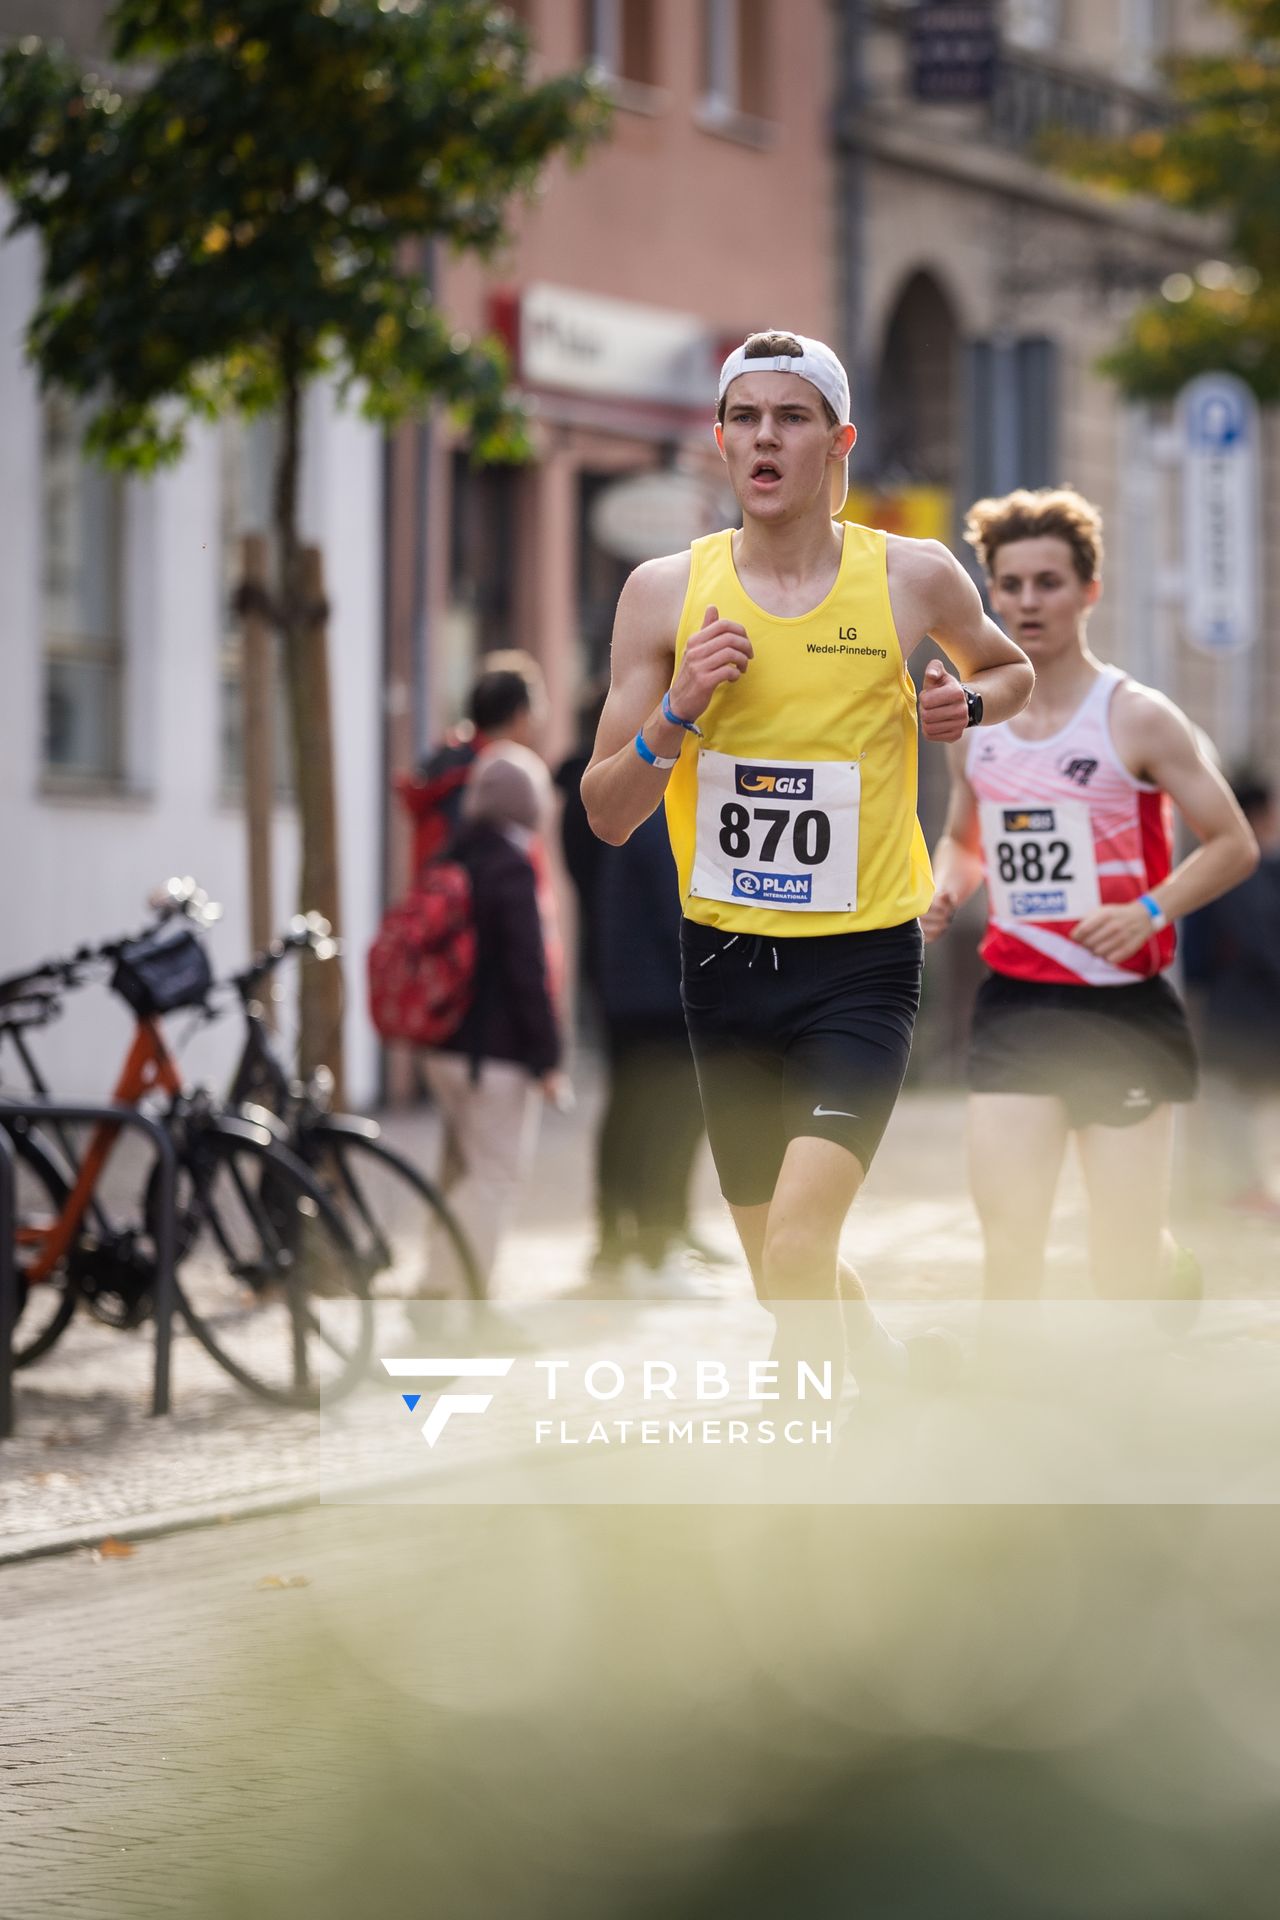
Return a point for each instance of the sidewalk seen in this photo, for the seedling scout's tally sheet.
(87, 1460)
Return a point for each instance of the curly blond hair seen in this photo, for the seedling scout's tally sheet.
(1046, 512)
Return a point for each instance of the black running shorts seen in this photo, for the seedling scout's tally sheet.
(806, 1037)
(1112, 1055)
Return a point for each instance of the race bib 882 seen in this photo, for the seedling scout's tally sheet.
(777, 833)
(1040, 860)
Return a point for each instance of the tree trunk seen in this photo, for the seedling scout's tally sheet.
(304, 624)
(258, 686)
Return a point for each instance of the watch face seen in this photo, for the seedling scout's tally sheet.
(975, 707)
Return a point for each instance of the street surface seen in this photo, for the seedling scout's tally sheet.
(513, 1712)
(88, 1460)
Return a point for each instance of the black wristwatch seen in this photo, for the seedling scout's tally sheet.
(974, 703)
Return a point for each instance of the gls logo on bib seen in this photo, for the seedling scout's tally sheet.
(772, 889)
(785, 783)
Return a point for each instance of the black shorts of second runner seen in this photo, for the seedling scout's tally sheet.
(801, 1037)
(1112, 1055)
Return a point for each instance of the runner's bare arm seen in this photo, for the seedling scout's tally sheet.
(957, 861)
(619, 788)
(931, 593)
(1158, 744)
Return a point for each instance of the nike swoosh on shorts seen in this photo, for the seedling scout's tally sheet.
(832, 1113)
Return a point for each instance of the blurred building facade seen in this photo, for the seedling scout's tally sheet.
(980, 289)
(843, 167)
(820, 164)
(121, 722)
(709, 212)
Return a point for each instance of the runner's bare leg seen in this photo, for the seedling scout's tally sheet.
(1016, 1147)
(1128, 1173)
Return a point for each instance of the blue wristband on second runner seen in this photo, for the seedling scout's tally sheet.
(1159, 918)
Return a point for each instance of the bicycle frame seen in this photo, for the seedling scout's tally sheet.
(148, 1067)
(258, 1070)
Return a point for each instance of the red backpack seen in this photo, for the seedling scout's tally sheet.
(422, 964)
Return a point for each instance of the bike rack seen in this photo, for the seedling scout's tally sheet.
(31, 1113)
(8, 1283)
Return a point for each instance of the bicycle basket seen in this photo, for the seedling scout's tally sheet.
(162, 971)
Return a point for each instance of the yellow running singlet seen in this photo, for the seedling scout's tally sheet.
(796, 811)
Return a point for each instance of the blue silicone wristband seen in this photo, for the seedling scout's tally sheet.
(1153, 907)
(669, 713)
(648, 755)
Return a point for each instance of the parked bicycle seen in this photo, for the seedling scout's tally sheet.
(408, 1243)
(269, 1279)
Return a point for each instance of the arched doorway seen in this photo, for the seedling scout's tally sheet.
(916, 466)
(917, 438)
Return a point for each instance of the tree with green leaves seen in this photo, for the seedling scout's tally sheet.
(1219, 153)
(239, 210)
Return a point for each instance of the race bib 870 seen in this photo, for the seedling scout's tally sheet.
(1040, 860)
(777, 833)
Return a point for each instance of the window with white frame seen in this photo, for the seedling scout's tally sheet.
(247, 450)
(1035, 24)
(1146, 28)
(736, 57)
(82, 510)
(622, 40)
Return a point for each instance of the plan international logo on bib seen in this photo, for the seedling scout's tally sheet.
(772, 889)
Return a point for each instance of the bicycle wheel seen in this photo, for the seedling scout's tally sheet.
(409, 1244)
(46, 1306)
(269, 1281)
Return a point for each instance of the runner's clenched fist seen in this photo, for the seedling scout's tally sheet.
(719, 651)
(944, 710)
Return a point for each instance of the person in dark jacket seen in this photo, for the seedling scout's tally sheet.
(652, 1124)
(1231, 961)
(489, 1082)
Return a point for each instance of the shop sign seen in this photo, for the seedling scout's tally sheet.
(587, 343)
(649, 514)
(953, 51)
(1221, 512)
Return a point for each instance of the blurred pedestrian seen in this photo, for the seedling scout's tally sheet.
(489, 1082)
(583, 853)
(652, 1125)
(1065, 813)
(506, 702)
(1231, 963)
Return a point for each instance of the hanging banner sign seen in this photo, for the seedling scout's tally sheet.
(953, 49)
(1221, 513)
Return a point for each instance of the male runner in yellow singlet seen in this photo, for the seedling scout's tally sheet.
(760, 686)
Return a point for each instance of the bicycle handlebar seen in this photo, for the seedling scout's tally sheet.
(177, 896)
(306, 931)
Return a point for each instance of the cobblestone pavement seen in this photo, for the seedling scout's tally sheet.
(88, 1461)
(516, 1714)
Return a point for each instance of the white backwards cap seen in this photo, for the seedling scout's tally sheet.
(815, 363)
